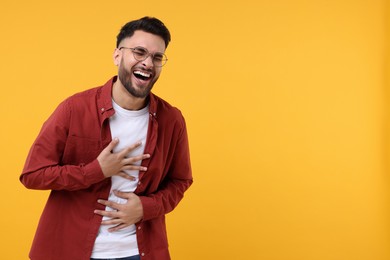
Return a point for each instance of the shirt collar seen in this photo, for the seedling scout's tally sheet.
(105, 99)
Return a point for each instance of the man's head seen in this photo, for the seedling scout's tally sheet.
(140, 54)
(147, 24)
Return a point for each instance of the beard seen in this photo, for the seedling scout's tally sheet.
(125, 78)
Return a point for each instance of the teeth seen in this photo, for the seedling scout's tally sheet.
(143, 74)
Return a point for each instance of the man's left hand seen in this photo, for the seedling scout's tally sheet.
(125, 215)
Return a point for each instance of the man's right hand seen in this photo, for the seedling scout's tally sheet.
(115, 163)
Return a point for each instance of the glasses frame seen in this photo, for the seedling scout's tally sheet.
(165, 58)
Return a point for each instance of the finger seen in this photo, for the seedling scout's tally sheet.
(109, 214)
(126, 176)
(134, 168)
(123, 195)
(137, 158)
(115, 221)
(110, 204)
(114, 142)
(118, 227)
(130, 148)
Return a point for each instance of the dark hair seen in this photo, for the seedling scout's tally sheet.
(146, 24)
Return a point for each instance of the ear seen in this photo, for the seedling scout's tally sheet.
(116, 56)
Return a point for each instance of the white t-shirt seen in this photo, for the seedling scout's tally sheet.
(129, 127)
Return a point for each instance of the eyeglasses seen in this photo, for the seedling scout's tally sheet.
(140, 54)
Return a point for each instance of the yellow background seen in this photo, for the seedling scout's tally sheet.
(287, 109)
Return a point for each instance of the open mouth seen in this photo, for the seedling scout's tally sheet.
(142, 75)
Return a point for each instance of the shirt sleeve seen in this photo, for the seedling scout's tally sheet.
(44, 170)
(178, 180)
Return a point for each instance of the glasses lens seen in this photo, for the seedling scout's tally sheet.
(159, 59)
(140, 54)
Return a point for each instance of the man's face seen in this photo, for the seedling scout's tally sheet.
(138, 77)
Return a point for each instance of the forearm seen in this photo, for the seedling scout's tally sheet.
(165, 199)
(67, 177)
(57, 160)
(177, 181)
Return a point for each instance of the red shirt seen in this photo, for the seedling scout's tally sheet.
(63, 160)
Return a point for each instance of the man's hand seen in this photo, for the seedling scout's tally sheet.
(115, 163)
(125, 215)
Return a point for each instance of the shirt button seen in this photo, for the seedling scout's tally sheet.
(139, 183)
(102, 109)
(139, 228)
(142, 254)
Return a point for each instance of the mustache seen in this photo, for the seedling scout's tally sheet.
(149, 70)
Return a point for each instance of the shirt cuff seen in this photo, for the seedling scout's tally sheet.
(149, 207)
(93, 172)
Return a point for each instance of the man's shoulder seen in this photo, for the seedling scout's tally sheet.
(167, 113)
(93, 93)
(164, 106)
(87, 93)
(88, 98)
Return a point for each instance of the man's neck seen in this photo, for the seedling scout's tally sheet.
(124, 99)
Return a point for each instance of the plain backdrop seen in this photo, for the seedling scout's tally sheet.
(286, 104)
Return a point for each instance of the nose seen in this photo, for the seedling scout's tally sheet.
(148, 62)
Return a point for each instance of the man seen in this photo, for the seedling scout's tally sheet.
(116, 160)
